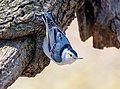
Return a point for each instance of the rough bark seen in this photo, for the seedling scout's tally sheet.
(22, 32)
(14, 55)
(101, 20)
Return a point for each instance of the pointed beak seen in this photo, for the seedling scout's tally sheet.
(79, 58)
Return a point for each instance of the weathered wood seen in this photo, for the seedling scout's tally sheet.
(101, 20)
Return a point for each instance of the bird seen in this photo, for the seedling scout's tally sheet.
(56, 45)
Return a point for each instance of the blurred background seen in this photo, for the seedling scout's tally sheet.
(100, 69)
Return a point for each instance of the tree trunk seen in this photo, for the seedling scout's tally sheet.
(101, 20)
(22, 32)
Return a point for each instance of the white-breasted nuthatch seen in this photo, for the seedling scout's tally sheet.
(56, 45)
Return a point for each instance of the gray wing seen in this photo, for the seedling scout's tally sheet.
(52, 40)
(56, 36)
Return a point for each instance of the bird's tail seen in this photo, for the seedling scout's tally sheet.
(48, 20)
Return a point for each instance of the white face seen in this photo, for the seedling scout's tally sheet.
(68, 57)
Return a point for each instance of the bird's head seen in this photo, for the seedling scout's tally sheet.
(69, 56)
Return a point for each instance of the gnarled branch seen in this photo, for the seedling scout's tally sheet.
(22, 32)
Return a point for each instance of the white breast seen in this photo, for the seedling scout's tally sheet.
(45, 47)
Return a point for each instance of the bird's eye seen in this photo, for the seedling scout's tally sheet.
(71, 55)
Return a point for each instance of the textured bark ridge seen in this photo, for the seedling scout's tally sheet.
(14, 55)
(22, 32)
(101, 20)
